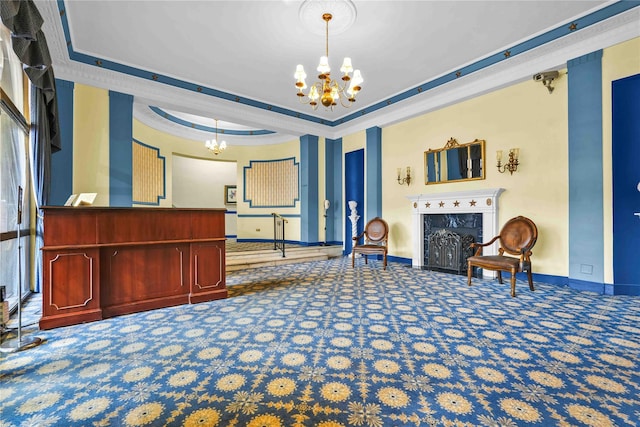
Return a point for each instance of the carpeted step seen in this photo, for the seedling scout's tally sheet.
(268, 260)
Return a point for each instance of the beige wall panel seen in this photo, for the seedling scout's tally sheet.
(91, 142)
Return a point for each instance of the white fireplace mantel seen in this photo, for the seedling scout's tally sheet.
(483, 201)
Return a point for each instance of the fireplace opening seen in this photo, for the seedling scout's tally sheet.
(447, 241)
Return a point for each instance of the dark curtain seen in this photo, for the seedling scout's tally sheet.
(30, 45)
(25, 23)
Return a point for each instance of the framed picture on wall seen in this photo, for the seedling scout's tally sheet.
(230, 194)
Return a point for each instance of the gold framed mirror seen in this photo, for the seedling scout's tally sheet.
(455, 162)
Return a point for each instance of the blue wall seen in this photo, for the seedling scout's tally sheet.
(333, 189)
(120, 149)
(309, 189)
(374, 173)
(62, 161)
(586, 223)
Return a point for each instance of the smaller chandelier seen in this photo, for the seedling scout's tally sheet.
(212, 144)
(330, 92)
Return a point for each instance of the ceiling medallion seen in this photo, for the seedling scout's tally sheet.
(343, 12)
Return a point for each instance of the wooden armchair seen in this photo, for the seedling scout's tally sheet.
(517, 237)
(375, 233)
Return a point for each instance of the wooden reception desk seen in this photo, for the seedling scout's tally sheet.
(103, 262)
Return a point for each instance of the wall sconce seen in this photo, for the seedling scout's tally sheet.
(406, 179)
(512, 164)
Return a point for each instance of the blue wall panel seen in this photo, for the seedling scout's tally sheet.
(586, 225)
(333, 186)
(374, 173)
(626, 184)
(62, 161)
(120, 149)
(309, 189)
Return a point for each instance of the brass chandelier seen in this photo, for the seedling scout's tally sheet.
(329, 91)
(213, 145)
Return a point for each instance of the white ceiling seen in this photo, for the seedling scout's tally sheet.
(249, 50)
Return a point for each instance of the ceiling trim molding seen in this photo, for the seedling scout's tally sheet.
(551, 56)
(182, 122)
(505, 56)
(145, 115)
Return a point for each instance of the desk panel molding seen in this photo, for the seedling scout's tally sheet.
(104, 262)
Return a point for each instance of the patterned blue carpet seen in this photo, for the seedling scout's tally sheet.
(320, 344)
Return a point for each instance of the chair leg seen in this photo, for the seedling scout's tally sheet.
(530, 277)
(366, 259)
(353, 259)
(469, 270)
(513, 283)
(500, 277)
(384, 262)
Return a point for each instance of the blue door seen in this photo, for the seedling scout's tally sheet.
(354, 191)
(626, 184)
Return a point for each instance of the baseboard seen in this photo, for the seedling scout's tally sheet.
(399, 259)
(623, 289)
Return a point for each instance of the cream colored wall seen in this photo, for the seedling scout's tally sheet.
(91, 142)
(525, 116)
(262, 227)
(619, 61)
(353, 142)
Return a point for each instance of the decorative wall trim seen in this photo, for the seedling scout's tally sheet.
(272, 183)
(149, 174)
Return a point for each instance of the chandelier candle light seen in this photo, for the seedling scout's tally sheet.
(212, 145)
(329, 91)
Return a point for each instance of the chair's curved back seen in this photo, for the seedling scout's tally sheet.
(376, 231)
(517, 234)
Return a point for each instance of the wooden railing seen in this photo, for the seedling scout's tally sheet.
(278, 232)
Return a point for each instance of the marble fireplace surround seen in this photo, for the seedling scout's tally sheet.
(483, 201)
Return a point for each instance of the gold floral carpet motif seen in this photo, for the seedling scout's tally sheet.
(322, 344)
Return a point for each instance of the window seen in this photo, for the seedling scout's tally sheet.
(15, 255)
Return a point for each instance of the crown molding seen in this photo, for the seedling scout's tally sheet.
(552, 55)
(145, 115)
